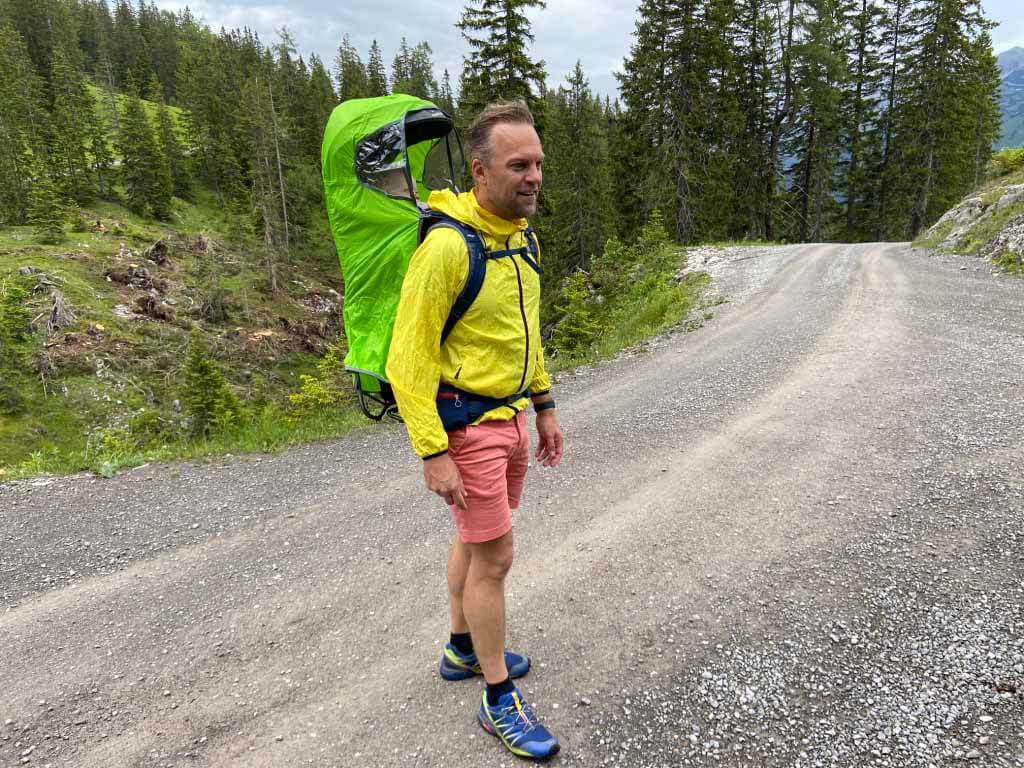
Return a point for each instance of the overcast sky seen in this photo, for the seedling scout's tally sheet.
(596, 32)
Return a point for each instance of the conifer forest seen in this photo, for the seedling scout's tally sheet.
(781, 120)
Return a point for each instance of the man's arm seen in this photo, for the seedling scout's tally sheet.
(432, 282)
(550, 444)
(431, 285)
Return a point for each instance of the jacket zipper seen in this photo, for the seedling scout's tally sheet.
(526, 325)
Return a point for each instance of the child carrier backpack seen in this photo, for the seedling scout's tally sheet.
(380, 158)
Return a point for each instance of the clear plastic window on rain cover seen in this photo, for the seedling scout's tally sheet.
(380, 161)
(445, 166)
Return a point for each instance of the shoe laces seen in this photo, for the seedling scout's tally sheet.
(520, 712)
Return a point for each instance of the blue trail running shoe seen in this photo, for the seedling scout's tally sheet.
(517, 726)
(455, 666)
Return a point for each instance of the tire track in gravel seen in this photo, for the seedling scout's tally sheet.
(295, 636)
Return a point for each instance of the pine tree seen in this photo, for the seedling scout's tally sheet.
(159, 29)
(209, 402)
(93, 21)
(351, 74)
(938, 165)
(445, 96)
(578, 329)
(169, 146)
(45, 26)
(211, 102)
(762, 38)
(576, 183)
(860, 115)
(23, 125)
(893, 54)
(680, 87)
(102, 156)
(984, 83)
(321, 101)
(45, 214)
(268, 195)
(128, 47)
(498, 65)
(72, 115)
(144, 170)
(376, 78)
(815, 142)
(414, 71)
(400, 68)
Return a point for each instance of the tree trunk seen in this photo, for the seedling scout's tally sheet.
(280, 172)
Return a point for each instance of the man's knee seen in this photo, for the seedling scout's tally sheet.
(493, 559)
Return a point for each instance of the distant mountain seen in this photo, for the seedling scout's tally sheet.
(1011, 64)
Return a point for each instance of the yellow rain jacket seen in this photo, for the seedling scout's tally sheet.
(494, 350)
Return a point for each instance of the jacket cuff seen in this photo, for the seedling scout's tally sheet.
(435, 455)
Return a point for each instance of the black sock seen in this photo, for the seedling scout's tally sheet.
(463, 643)
(495, 691)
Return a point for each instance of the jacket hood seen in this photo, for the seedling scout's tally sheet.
(465, 208)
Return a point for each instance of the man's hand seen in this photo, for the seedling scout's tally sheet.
(549, 445)
(442, 477)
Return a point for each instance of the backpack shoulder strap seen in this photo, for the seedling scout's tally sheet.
(532, 256)
(477, 253)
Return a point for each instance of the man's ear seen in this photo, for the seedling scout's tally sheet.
(476, 167)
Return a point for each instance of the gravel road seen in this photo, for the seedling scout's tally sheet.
(793, 537)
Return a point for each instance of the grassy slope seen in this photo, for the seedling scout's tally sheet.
(107, 369)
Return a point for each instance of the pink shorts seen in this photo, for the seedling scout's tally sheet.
(492, 459)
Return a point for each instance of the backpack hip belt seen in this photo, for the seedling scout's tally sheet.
(458, 408)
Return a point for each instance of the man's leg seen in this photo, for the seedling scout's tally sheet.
(483, 603)
(458, 567)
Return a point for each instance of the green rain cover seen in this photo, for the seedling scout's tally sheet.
(364, 150)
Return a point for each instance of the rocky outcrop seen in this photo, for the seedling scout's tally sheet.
(961, 218)
(1009, 241)
(989, 223)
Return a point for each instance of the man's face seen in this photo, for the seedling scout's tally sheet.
(509, 182)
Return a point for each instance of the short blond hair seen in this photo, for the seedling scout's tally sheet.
(478, 135)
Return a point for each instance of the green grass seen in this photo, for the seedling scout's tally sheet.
(100, 382)
(101, 99)
(645, 314)
(932, 238)
(1010, 262)
(106, 452)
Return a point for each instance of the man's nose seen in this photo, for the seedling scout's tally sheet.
(534, 175)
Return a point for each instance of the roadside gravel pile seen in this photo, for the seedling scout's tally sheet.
(720, 263)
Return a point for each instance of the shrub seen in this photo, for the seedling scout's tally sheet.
(44, 211)
(1006, 161)
(327, 391)
(210, 405)
(579, 328)
(14, 334)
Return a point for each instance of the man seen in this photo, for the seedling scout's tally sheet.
(485, 366)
